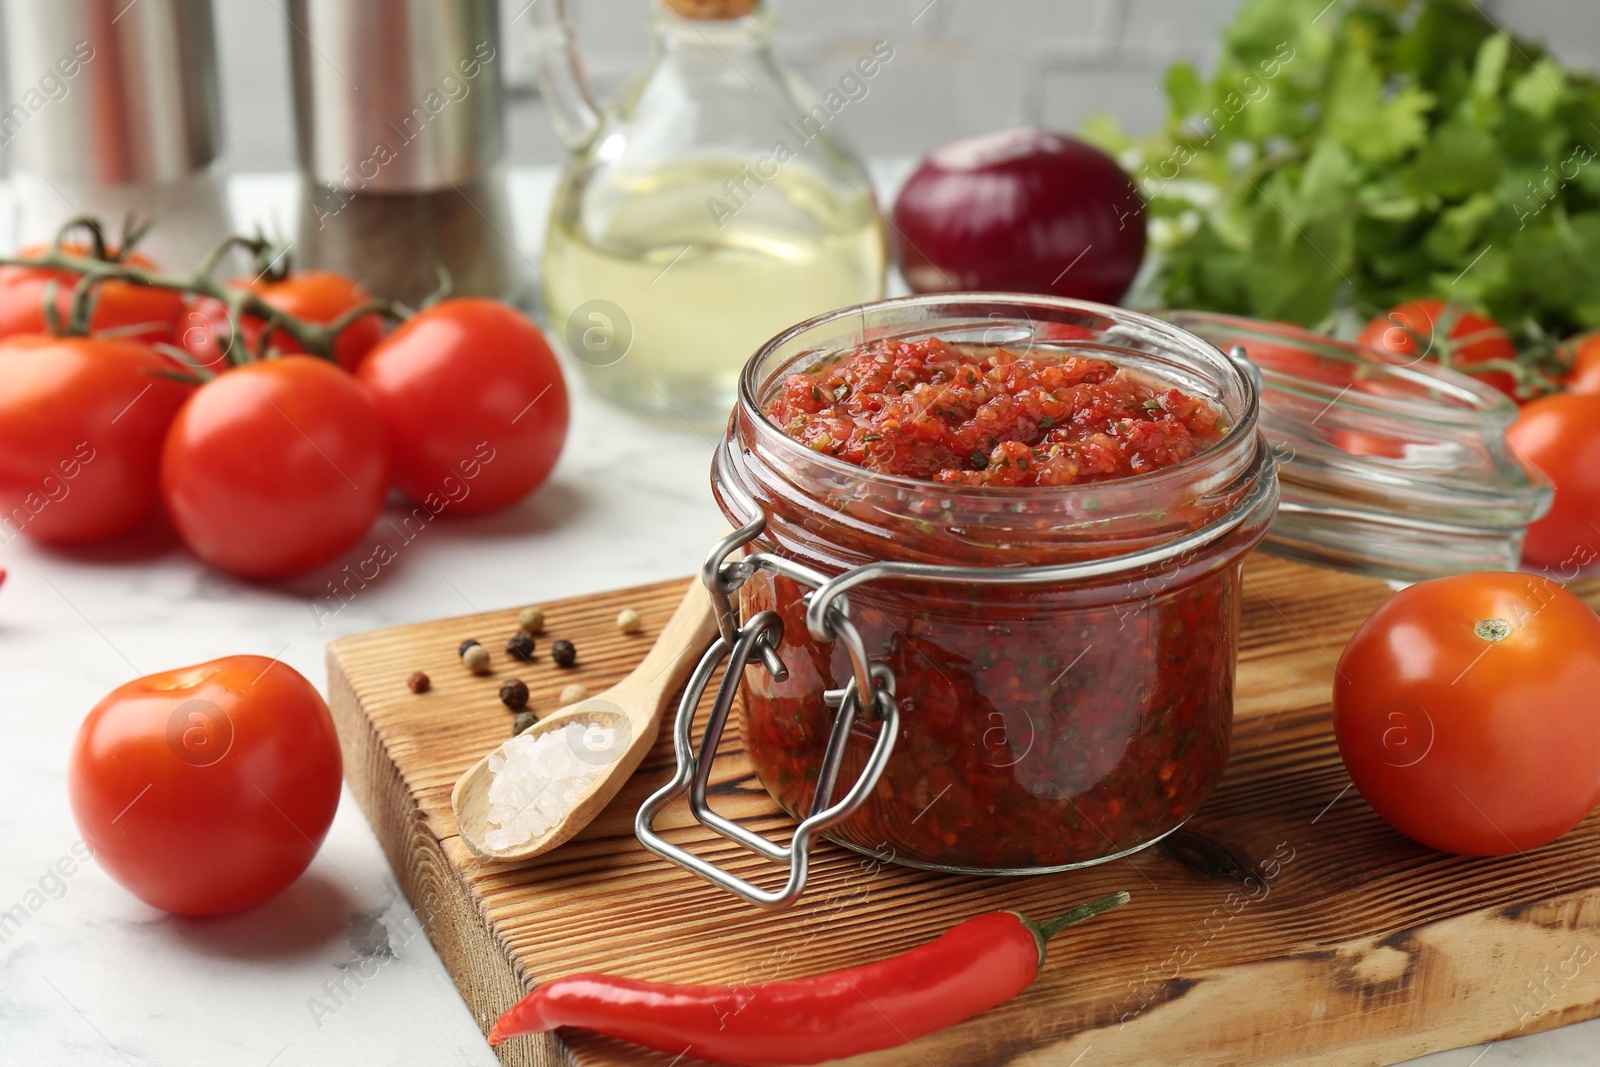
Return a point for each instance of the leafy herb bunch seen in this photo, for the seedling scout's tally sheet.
(1344, 159)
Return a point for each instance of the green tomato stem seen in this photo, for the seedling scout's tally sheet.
(317, 339)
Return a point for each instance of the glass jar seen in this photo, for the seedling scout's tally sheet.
(1059, 660)
(1390, 466)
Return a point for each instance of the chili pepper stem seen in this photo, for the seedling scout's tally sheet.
(1045, 929)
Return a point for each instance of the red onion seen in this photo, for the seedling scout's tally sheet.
(1020, 211)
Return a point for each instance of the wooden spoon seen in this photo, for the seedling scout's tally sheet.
(632, 709)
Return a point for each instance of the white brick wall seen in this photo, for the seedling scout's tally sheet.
(961, 66)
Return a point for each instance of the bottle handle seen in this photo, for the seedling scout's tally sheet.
(558, 66)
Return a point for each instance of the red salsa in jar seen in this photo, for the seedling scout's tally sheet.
(964, 416)
(1042, 726)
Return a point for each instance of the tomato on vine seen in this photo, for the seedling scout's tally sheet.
(126, 309)
(474, 404)
(1560, 435)
(318, 296)
(275, 467)
(1446, 333)
(82, 421)
(1583, 373)
(1309, 357)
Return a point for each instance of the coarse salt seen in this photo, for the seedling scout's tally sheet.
(536, 780)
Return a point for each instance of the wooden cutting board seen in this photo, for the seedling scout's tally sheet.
(1358, 947)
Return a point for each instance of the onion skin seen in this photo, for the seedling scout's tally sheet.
(1020, 211)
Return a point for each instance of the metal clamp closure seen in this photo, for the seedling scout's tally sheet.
(828, 619)
(758, 639)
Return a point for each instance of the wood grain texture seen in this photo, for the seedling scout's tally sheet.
(633, 708)
(1356, 946)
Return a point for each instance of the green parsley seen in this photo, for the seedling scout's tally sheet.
(1341, 160)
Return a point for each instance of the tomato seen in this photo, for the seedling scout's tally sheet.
(129, 309)
(318, 296)
(1464, 709)
(1584, 375)
(1309, 357)
(81, 426)
(474, 404)
(1363, 443)
(1292, 359)
(275, 467)
(1560, 435)
(1471, 339)
(208, 789)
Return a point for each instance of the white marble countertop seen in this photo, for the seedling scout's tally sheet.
(333, 971)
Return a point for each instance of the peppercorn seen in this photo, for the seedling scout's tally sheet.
(520, 646)
(523, 720)
(629, 622)
(564, 653)
(468, 643)
(419, 682)
(514, 694)
(574, 693)
(531, 620)
(476, 658)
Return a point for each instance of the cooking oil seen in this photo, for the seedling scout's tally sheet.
(663, 283)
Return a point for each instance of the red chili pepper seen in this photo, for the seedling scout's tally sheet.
(983, 962)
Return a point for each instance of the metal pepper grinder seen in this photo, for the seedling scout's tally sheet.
(112, 109)
(399, 117)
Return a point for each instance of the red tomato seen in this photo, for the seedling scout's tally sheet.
(474, 404)
(276, 467)
(1289, 358)
(208, 789)
(1472, 339)
(1584, 375)
(1464, 709)
(313, 295)
(81, 426)
(131, 310)
(1560, 435)
(1300, 353)
(1362, 443)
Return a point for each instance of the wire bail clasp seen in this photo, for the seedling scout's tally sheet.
(758, 639)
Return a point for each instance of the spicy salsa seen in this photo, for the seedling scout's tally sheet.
(1042, 726)
(964, 416)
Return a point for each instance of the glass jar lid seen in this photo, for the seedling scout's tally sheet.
(1390, 466)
